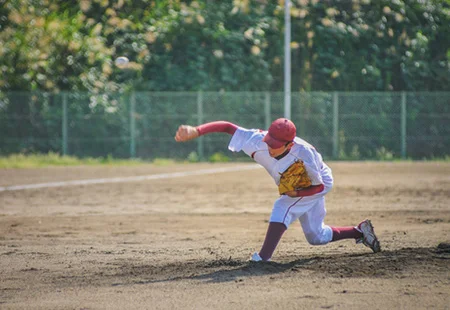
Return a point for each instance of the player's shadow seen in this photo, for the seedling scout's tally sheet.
(239, 270)
(250, 269)
(383, 264)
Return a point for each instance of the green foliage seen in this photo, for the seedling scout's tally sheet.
(354, 153)
(372, 45)
(193, 157)
(54, 48)
(228, 45)
(219, 158)
(384, 154)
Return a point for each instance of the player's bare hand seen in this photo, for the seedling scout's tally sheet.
(186, 133)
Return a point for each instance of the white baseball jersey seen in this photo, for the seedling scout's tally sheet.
(309, 210)
(250, 142)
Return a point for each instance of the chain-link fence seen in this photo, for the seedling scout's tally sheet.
(142, 124)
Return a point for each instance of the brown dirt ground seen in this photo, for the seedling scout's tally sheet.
(184, 243)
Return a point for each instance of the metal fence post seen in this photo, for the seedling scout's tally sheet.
(200, 140)
(132, 125)
(403, 125)
(287, 59)
(335, 125)
(301, 115)
(267, 110)
(64, 124)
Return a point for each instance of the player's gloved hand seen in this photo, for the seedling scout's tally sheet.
(186, 133)
(291, 193)
(294, 178)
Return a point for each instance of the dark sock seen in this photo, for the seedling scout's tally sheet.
(274, 233)
(340, 233)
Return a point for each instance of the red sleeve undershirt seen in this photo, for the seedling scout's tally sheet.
(218, 126)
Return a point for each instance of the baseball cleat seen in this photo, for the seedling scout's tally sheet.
(256, 258)
(369, 238)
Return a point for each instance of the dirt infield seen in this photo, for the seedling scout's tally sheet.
(184, 243)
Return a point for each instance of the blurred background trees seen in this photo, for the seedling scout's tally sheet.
(60, 90)
(232, 45)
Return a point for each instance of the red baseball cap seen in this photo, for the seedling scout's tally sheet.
(280, 132)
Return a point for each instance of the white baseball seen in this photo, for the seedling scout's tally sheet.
(121, 62)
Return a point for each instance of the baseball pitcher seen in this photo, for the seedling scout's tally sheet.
(303, 180)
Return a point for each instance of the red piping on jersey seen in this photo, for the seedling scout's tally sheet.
(218, 126)
(312, 190)
(287, 211)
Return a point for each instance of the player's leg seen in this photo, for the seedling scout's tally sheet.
(273, 235)
(285, 211)
(346, 232)
(363, 233)
(316, 232)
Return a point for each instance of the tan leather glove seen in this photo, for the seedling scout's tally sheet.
(295, 177)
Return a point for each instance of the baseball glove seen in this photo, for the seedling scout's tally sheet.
(294, 178)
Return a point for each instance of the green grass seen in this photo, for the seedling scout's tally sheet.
(164, 161)
(54, 159)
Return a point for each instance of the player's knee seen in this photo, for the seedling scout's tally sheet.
(314, 239)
